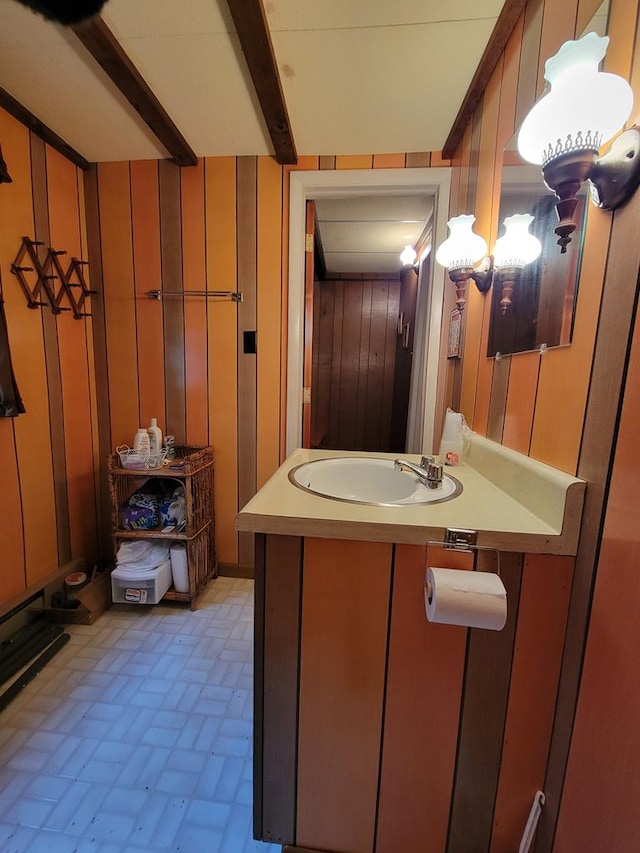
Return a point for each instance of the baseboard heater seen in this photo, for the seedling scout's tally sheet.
(29, 641)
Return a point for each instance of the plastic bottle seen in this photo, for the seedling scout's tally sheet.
(452, 443)
(141, 442)
(155, 436)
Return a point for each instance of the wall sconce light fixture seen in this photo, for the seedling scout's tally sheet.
(512, 252)
(563, 132)
(408, 256)
(460, 252)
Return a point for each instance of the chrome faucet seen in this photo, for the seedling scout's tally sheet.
(429, 472)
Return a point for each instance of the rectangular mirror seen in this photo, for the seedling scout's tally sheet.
(543, 299)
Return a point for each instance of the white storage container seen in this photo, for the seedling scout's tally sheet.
(145, 587)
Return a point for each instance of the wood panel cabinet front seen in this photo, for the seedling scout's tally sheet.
(345, 617)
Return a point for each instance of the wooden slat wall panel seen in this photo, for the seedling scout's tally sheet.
(544, 599)
(145, 225)
(76, 362)
(363, 414)
(424, 689)
(270, 317)
(499, 387)
(484, 710)
(489, 161)
(356, 362)
(342, 675)
(521, 401)
(223, 343)
(247, 322)
(15, 146)
(605, 745)
(354, 161)
(283, 589)
(98, 334)
(618, 305)
(51, 355)
(119, 304)
(419, 160)
(173, 308)
(48, 455)
(194, 271)
(586, 10)
(388, 161)
(28, 350)
(321, 408)
(529, 59)
(350, 364)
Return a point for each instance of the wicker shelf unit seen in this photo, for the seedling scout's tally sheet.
(192, 468)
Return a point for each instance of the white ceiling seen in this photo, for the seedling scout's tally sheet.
(365, 234)
(358, 76)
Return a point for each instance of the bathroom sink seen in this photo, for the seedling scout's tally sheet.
(364, 480)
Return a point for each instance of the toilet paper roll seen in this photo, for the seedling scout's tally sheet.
(471, 599)
(179, 567)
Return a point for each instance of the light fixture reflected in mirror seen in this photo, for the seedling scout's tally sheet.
(460, 252)
(512, 252)
(565, 129)
(408, 256)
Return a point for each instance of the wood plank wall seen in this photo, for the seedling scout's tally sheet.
(560, 407)
(50, 494)
(221, 225)
(354, 357)
(411, 736)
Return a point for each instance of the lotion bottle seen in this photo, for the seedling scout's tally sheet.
(141, 442)
(155, 436)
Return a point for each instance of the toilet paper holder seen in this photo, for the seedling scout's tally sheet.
(460, 539)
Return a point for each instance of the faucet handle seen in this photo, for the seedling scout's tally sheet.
(435, 473)
(426, 461)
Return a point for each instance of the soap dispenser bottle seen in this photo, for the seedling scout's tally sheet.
(155, 436)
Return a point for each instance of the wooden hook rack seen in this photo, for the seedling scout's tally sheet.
(47, 282)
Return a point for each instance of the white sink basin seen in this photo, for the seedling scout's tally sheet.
(365, 480)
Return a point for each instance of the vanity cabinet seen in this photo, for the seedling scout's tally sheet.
(377, 731)
(193, 469)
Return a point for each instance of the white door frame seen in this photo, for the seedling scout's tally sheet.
(306, 185)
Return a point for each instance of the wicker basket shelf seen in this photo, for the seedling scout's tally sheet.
(192, 468)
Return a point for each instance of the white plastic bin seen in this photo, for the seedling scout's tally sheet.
(147, 587)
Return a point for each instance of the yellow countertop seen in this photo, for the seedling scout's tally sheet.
(513, 502)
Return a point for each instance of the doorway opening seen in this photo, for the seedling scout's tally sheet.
(424, 405)
(364, 301)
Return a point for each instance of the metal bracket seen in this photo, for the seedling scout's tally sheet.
(459, 539)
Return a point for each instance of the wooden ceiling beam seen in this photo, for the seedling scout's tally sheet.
(505, 24)
(22, 114)
(98, 39)
(255, 40)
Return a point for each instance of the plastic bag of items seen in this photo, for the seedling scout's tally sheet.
(159, 503)
(140, 511)
(142, 554)
(172, 506)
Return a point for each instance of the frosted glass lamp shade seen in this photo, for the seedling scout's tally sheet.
(584, 108)
(463, 247)
(517, 247)
(408, 256)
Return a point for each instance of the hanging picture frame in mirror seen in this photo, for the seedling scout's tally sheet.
(534, 305)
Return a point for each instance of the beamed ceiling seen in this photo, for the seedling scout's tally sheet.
(153, 79)
(158, 78)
